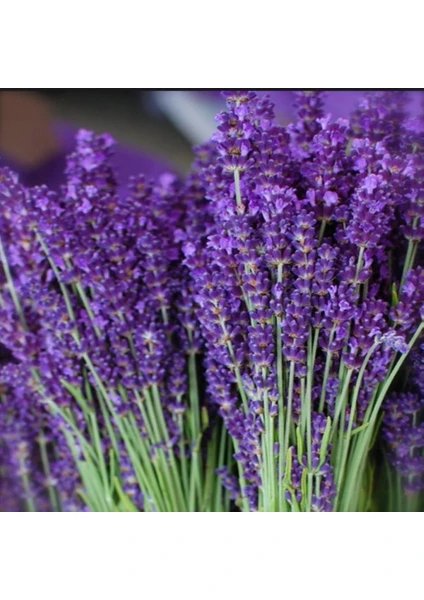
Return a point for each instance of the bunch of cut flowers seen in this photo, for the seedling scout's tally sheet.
(249, 338)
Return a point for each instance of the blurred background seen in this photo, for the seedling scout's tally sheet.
(155, 130)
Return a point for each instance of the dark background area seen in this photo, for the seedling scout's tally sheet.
(129, 115)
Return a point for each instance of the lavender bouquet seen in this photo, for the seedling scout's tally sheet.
(101, 405)
(247, 339)
(310, 297)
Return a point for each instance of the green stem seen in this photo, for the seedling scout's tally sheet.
(328, 361)
(11, 286)
(29, 499)
(341, 402)
(362, 444)
(269, 473)
(63, 288)
(289, 412)
(236, 370)
(53, 496)
(158, 437)
(218, 503)
(172, 461)
(88, 308)
(237, 186)
(280, 382)
(242, 482)
(410, 256)
(321, 231)
(210, 467)
(183, 458)
(346, 443)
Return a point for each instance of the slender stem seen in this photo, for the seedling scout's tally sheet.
(183, 458)
(63, 288)
(346, 443)
(149, 468)
(88, 308)
(312, 351)
(172, 462)
(328, 361)
(196, 467)
(229, 463)
(359, 264)
(308, 403)
(362, 444)
(268, 479)
(155, 476)
(209, 480)
(143, 464)
(11, 286)
(194, 396)
(321, 230)
(280, 382)
(29, 499)
(244, 502)
(341, 402)
(237, 372)
(218, 504)
(158, 439)
(53, 496)
(237, 186)
(410, 256)
(289, 410)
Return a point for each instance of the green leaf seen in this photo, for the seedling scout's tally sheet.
(295, 505)
(324, 443)
(86, 447)
(395, 297)
(376, 429)
(113, 464)
(205, 417)
(299, 444)
(287, 474)
(95, 493)
(304, 484)
(126, 503)
(358, 429)
(76, 394)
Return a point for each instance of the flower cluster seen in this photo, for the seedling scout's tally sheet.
(94, 302)
(307, 288)
(403, 427)
(405, 437)
(225, 342)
